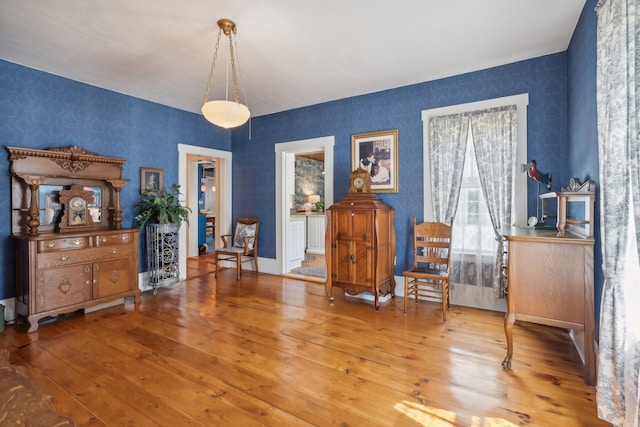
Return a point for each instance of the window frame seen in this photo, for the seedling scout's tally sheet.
(519, 196)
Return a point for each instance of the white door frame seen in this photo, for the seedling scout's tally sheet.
(188, 157)
(282, 149)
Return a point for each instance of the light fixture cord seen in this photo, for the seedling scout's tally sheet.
(213, 66)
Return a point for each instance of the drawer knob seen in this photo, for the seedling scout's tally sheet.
(76, 242)
(51, 244)
(125, 237)
(64, 257)
(114, 251)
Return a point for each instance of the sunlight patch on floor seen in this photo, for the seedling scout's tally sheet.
(436, 417)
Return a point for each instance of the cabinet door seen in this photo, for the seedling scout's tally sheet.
(316, 226)
(361, 269)
(62, 286)
(353, 224)
(111, 277)
(296, 241)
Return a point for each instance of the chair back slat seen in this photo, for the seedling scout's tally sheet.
(431, 245)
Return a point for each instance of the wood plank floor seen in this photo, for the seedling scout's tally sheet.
(271, 350)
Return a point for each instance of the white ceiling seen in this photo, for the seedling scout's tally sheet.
(293, 53)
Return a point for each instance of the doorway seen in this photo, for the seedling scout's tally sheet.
(189, 157)
(285, 193)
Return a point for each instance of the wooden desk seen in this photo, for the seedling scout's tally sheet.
(550, 282)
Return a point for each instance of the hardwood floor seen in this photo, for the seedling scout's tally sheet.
(271, 350)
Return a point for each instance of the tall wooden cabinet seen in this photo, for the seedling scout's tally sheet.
(71, 252)
(360, 244)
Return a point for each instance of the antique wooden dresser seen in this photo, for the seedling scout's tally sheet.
(71, 252)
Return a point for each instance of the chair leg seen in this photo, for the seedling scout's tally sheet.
(215, 262)
(238, 266)
(255, 263)
(406, 293)
(445, 300)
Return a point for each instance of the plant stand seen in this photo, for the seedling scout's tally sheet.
(162, 254)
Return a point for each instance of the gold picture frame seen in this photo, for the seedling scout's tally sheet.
(377, 153)
(151, 179)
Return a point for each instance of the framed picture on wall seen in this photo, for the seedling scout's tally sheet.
(377, 153)
(151, 179)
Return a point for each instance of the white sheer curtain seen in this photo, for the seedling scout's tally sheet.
(618, 98)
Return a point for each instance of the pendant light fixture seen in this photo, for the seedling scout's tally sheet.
(226, 114)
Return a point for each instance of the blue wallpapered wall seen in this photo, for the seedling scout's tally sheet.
(544, 78)
(582, 124)
(40, 110)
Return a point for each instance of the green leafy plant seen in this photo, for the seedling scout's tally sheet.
(162, 207)
(320, 206)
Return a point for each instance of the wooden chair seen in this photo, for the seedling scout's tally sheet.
(429, 274)
(242, 245)
(211, 226)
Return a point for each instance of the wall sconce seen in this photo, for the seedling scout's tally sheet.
(226, 114)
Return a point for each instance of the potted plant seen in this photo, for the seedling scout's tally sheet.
(162, 207)
(320, 206)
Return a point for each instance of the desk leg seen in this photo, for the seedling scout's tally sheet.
(509, 320)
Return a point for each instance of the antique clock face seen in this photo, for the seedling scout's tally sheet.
(359, 181)
(77, 211)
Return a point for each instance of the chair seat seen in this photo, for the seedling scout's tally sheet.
(426, 272)
(231, 250)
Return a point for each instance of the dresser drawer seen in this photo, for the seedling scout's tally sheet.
(56, 259)
(64, 243)
(124, 238)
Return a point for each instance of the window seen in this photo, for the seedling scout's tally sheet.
(472, 229)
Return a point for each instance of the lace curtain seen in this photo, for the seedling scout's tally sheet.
(494, 139)
(618, 98)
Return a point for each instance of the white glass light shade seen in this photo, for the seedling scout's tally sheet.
(226, 114)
